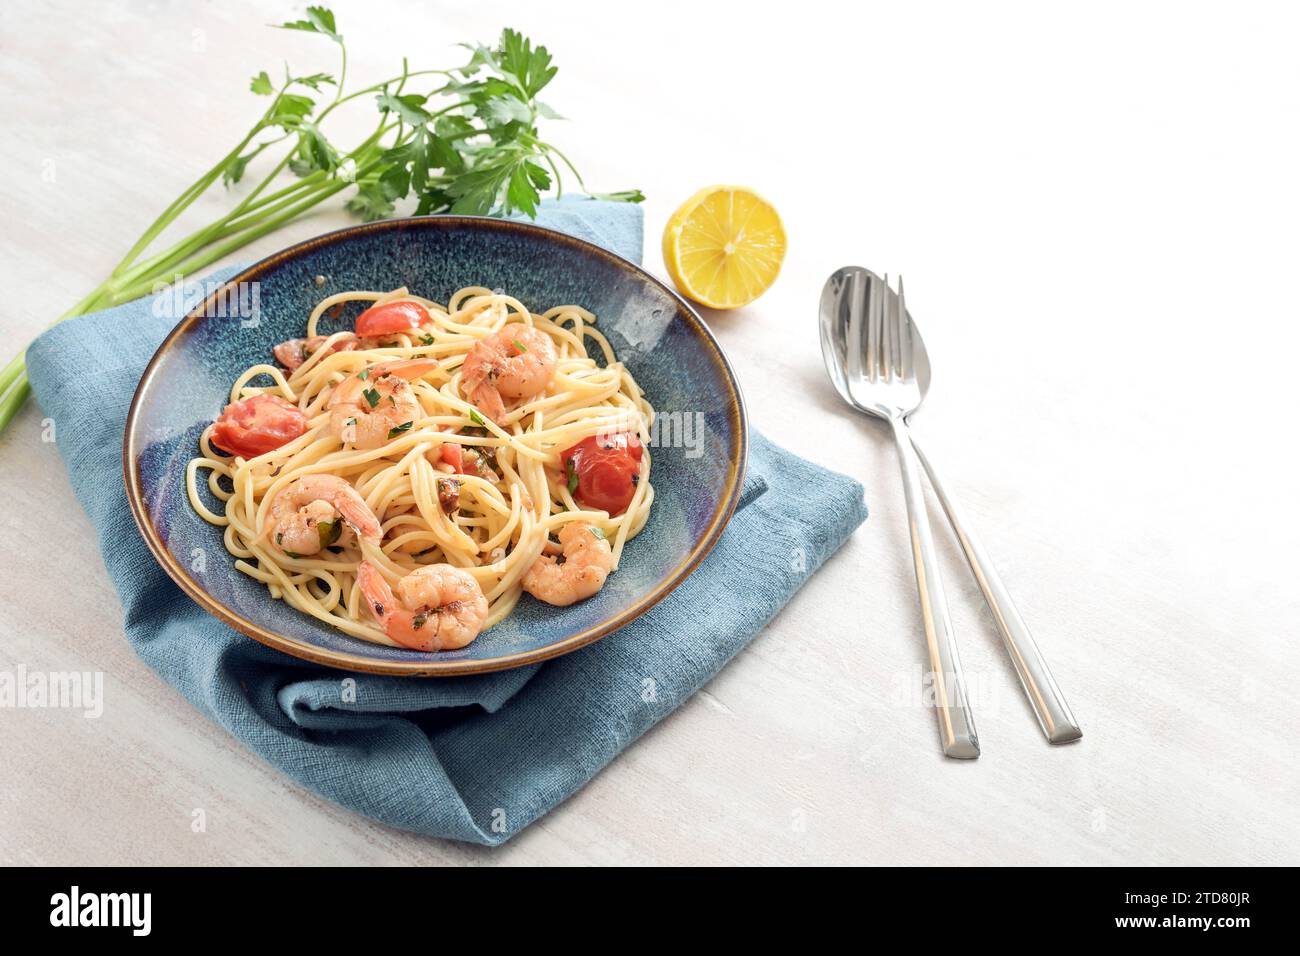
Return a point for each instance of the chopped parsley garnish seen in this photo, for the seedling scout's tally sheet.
(404, 427)
(329, 532)
(363, 374)
(371, 396)
(598, 533)
(477, 419)
(519, 345)
(427, 339)
(573, 476)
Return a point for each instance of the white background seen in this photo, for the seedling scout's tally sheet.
(1095, 208)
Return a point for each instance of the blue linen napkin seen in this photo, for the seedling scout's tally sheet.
(472, 758)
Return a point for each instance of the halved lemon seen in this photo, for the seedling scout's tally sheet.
(724, 246)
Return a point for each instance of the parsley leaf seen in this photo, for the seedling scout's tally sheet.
(395, 182)
(371, 396)
(627, 195)
(235, 171)
(289, 110)
(404, 427)
(500, 110)
(483, 189)
(319, 20)
(329, 532)
(409, 108)
(315, 81)
(261, 84)
(315, 150)
(370, 203)
(531, 68)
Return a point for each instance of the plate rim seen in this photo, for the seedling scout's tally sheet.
(429, 666)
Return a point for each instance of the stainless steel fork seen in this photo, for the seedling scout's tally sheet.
(878, 375)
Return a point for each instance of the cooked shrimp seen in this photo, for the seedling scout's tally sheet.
(514, 363)
(377, 404)
(579, 573)
(436, 608)
(304, 516)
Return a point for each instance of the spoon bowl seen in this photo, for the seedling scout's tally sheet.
(851, 290)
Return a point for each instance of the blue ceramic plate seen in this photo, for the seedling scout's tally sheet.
(664, 343)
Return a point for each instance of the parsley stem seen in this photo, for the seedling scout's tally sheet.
(209, 254)
(551, 149)
(12, 371)
(379, 88)
(343, 72)
(182, 202)
(559, 180)
(165, 264)
(13, 400)
(196, 189)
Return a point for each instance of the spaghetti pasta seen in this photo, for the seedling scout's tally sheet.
(448, 484)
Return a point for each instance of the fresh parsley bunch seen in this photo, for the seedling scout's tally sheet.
(468, 145)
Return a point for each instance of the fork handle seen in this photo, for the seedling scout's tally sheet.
(1045, 697)
(956, 725)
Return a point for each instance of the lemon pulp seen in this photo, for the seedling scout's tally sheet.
(724, 246)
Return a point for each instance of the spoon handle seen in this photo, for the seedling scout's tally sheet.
(1049, 704)
(956, 725)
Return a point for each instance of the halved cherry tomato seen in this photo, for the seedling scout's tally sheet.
(256, 425)
(606, 468)
(394, 317)
(452, 455)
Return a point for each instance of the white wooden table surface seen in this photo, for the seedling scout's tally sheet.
(1095, 210)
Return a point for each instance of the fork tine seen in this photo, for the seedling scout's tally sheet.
(886, 334)
(896, 339)
(888, 337)
(907, 368)
(873, 331)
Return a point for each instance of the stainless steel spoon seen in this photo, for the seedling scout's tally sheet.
(872, 359)
(849, 293)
